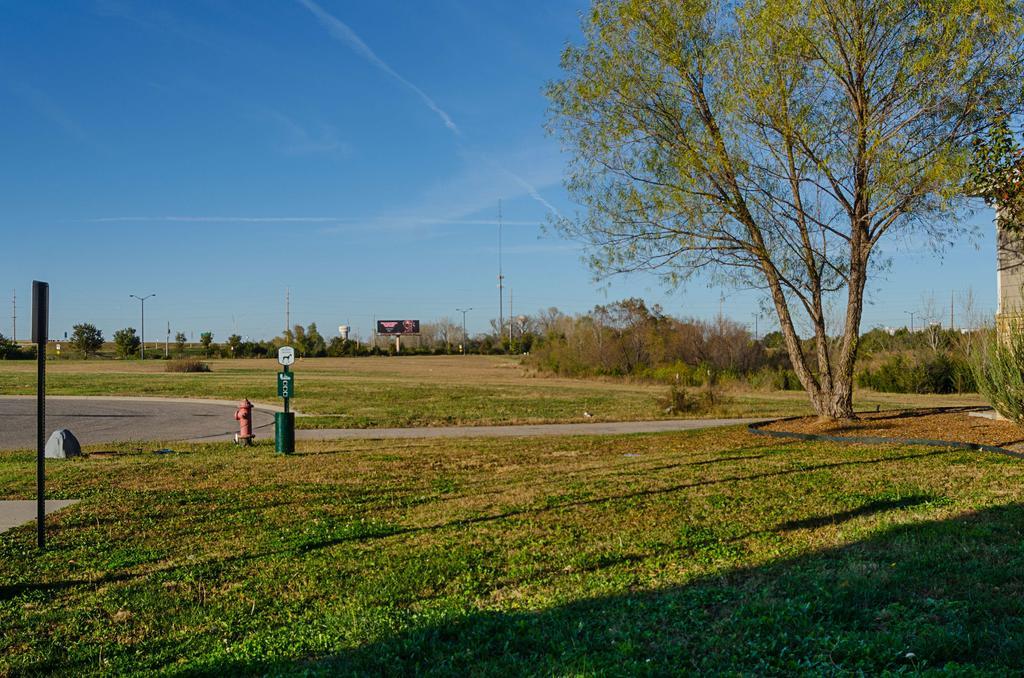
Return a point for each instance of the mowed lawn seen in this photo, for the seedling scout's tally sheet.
(705, 552)
(416, 391)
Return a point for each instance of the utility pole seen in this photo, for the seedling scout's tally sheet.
(14, 316)
(756, 316)
(501, 280)
(287, 310)
(143, 334)
(167, 340)
(511, 318)
(951, 325)
(911, 314)
(465, 337)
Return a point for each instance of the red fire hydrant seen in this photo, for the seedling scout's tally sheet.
(243, 415)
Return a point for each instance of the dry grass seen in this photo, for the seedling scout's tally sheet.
(418, 391)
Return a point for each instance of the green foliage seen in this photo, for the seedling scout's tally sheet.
(314, 345)
(126, 342)
(206, 340)
(626, 338)
(775, 379)
(999, 371)
(775, 144)
(86, 339)
(997, 173)
(179, 342)
(916, 373)
(339, 348)
(10, 350)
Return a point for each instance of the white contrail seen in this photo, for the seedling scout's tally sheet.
(533, 193)
(216, 219)
(199, 219)
(341, 31)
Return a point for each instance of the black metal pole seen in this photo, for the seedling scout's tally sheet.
(41, 445)
(40, 329)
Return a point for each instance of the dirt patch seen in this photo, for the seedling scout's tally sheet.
(955, 426)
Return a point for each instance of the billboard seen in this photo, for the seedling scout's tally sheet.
(398, 327)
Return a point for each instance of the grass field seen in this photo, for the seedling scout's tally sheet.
(640, 555)
(414, 391)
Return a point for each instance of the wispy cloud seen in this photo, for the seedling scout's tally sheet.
(55, 114)
(218, 219)
(341, 31)
(539, 248)
(301, 141)
(376, 221)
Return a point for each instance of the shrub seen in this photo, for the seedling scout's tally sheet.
(775, 379)
(999, 371)
(934, 373)
(127, 342)
(186, 365)
(10, 350)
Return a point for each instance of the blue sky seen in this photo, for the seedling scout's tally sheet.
(217, 153)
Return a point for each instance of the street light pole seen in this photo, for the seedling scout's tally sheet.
(465, 337)
(143, 333)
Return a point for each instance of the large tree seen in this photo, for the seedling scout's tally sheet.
(775, 143)
(127, 342)
(86, 339)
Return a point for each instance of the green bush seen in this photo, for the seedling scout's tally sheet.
(706, 400)
(936, 373)
(10, 350)
(999, 372)
(775, 379)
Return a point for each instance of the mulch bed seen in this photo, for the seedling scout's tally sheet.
(954, 425)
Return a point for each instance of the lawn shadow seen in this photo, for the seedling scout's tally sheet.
(943, 594)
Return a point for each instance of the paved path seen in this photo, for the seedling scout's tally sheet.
(106, 420)
(96, 420)
(19, 512)
(594, 429)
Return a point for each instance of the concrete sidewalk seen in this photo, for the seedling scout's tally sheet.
(18, 512)
(595, 429)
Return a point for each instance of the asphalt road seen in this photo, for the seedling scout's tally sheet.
(105, 420)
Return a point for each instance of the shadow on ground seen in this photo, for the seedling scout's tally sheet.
(940, 595)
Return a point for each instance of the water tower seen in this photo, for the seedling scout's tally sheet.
(343, 332)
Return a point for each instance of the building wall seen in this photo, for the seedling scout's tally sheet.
(1010, 275)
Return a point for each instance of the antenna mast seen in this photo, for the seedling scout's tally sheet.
(287, 310)
(501, 280)
(14, 316)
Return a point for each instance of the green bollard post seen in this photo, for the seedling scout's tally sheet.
(284, 432)
(284, 422)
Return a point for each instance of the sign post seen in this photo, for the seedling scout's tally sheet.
(40, 330)
(284, 422)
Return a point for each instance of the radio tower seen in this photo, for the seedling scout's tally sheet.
(501, 280)
(287, 310)
(14, 316)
